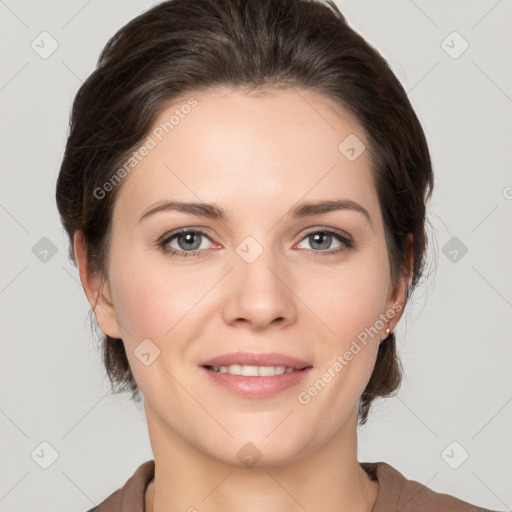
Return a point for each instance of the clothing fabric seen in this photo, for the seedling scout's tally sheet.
(396, 493)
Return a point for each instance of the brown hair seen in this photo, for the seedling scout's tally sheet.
(181, 46)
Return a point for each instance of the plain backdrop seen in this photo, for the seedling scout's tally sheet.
(450, 425)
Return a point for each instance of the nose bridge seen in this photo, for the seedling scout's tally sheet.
(256, 262)
(257, 291)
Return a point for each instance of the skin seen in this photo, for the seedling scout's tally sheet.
(256, 157)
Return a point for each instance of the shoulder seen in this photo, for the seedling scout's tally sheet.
(129, 497)
(396, 492)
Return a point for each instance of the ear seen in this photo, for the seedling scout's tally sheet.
(396, 302)
(97, 292)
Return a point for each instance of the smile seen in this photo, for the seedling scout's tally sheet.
(252, 371)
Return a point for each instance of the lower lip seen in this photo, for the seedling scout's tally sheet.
(257, 387)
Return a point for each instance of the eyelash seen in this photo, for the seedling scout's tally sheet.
(346, 239)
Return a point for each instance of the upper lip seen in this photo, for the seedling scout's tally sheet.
(253, 359)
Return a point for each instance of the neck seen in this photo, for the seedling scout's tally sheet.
(328, 479)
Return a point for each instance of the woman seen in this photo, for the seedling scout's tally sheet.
(244, 188)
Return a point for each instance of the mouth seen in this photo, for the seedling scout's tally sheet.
(253, 375)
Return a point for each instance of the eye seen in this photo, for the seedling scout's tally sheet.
(187, 243)
(321, 240)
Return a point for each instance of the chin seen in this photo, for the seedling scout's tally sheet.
(249, 449)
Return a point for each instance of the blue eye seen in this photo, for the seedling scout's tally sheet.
(189, 242)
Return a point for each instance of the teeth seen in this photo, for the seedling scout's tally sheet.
(248, 371)
(253, 371)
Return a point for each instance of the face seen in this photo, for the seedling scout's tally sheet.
(212, 309)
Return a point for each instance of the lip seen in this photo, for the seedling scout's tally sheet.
(256, 387)
(254, 359)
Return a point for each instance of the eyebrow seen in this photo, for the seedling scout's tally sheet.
(212, 211)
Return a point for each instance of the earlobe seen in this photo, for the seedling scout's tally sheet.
(97, 292)
(397, 301)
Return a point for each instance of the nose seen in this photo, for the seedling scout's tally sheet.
(259, 294)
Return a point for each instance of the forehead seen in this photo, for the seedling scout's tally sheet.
(250, 152)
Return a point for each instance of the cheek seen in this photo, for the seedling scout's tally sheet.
(150, 299)
(150, 303)
(351, 307)
(354, 299)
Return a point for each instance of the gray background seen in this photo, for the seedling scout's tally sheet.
(454, 341)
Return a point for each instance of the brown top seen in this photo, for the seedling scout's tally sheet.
(396, 493)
